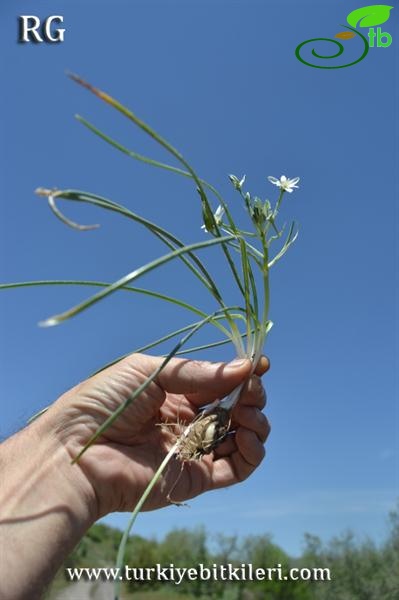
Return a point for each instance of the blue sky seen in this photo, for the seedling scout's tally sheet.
(220, 80)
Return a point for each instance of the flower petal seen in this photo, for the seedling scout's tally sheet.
(219, 212)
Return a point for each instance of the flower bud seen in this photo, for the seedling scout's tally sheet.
(237, 183)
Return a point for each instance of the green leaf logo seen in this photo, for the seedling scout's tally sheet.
(369, 16)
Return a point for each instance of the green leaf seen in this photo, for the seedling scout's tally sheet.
(288, 242)
(165, 236)
(207, 214)
(172, 334)
(206, 211)
(176, 301)
(56, 319)
(369, 16)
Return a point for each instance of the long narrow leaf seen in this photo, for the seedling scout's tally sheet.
(140, 123)
(165, 236)
(167, 337)
(162, 234)
(289, 241)
(135, 155)
(206, 346)
(176, 301)
(165, 144)
(137, 350)
(160, 165)
(65, 220)
(120, 283)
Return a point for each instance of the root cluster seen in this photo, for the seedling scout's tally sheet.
(204, 434)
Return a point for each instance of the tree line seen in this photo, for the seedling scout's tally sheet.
(359, 570)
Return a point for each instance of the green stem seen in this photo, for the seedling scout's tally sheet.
(122, 546)
(266, 300)
(278, 203)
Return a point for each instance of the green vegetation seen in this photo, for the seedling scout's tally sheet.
(359, 570)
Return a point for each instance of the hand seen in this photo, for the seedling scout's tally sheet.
(47, 504)
(121, 463)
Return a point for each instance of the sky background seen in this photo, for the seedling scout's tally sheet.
(220, 80)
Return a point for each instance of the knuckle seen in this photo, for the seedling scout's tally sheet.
(244, 472)
(262, 454)
(256, 383)
(268, 427)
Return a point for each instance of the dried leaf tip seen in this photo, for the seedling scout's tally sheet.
(91, 88)
(45, 192)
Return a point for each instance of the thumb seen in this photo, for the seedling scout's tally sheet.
(181, 376)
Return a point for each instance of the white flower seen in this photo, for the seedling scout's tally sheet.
(218, 215)
(238, 183)
(287, 185)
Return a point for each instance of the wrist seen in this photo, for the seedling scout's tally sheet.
(69, 484)
(39, 476)
(46, 507)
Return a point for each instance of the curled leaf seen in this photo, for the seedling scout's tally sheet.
(345, 35)
(369, 16)
(51, 195)
(65, 220)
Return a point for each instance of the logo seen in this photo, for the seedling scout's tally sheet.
(369, 18)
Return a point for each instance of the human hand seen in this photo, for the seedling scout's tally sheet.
(121, 463)
(47, 503)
